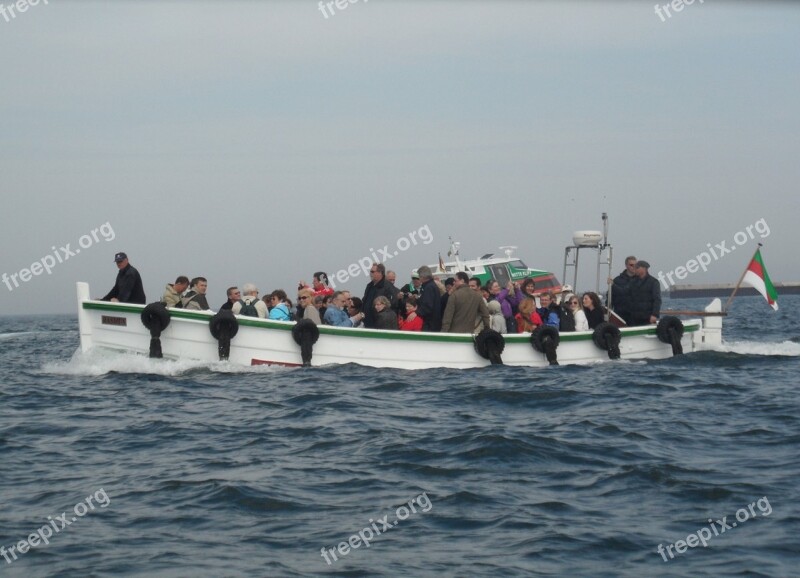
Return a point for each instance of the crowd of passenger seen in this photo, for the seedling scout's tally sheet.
(459, 304)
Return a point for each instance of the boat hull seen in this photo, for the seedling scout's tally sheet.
(118, 326)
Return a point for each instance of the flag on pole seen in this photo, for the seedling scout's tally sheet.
(756, 276)
(441, 263)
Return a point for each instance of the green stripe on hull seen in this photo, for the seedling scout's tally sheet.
(371, 334)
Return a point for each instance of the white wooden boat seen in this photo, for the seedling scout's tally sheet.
(119, 327)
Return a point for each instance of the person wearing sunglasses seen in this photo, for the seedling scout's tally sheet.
(620, 290)
(573, 303)
(305, 302)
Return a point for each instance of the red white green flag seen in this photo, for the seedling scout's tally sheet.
(756, 276)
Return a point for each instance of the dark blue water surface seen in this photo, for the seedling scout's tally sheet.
(218, 470)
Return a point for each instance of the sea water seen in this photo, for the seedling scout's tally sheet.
(135, 467)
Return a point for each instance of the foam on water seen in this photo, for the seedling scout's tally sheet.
(786, 348)
(101, 362)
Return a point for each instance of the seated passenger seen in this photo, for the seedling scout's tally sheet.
(319, 303)
(305, 300)
(528, 288)
(385, 318)
(250, 305)
(565, 313)
(173, 292)
(279, 310)
(406, 290)
(593, 309)
(508, 298)
(336, 314)
(528, 319)
(412, 321)
(195, 299)
(573, 304)
(233, 295)
(319, 284)
(498, 322)
(549, 310)
(355, 308)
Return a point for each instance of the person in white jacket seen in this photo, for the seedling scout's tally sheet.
(574, 304)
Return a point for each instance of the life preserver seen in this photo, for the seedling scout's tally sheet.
(545, 339)
(489, 344)
(305, 334)
(155, 318)
(224, 327)
(670, 330)
(606, 336)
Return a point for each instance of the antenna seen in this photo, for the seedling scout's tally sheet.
(508, 250)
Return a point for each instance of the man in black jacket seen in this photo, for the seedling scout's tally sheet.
(375, 288)
(620, 290)
(645, 296)
(429, 303)
(128, 288)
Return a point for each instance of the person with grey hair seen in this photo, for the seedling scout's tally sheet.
(250, 305)
(385, 317)
(429, 302)
(336, 312)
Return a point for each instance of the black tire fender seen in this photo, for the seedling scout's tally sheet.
(305, 328)
(545, 339)
(607, 336)
(541, 334)
(224, 327)
(305, 334)
(667, 323)
(155, 318)
(670, 330)
(490, 344)
(224, 324)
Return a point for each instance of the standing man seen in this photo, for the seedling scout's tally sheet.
(620, 290)
(128, 287)
(391, 277)
(645, 296)
(377, 287)
(464, 307)
(429, 302)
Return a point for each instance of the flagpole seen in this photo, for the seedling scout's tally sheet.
(735, 289)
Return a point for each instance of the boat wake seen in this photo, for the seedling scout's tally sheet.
(100, 362)
(783, 348)
(16, 334)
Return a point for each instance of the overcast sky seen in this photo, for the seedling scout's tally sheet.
(261, 141)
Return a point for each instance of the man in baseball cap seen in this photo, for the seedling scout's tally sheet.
(128, 287)
(645, 296)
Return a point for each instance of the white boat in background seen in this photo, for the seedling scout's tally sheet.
(187, 335)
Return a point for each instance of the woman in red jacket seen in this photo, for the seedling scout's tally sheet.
(412, 322)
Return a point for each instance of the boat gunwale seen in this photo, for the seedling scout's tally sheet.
(690, 326)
